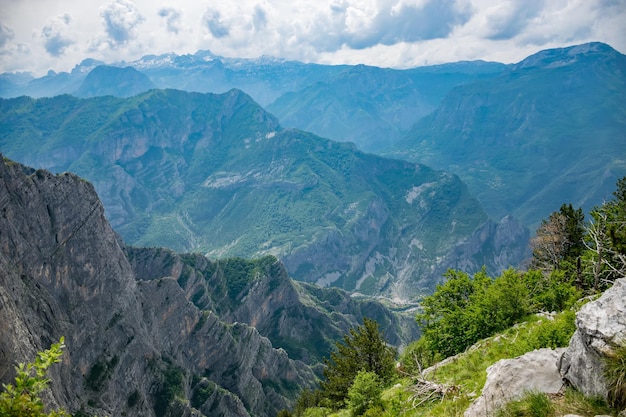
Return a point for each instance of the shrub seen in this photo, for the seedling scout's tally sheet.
(364, 394)
(23, 399)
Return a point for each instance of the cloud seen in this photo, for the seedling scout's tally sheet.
(213, 21)
(173, 18)
(360, 25)
(259, 18)
(56, 35)
(509, 18)
(121, 17)
(6, 34)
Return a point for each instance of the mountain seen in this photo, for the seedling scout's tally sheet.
(374, 107)
(52, 84)
(548, 130)
(216, 174)
(105, 80)
(148, 331)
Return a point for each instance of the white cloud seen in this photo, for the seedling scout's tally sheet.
(172, 17)
(6, 34)
(121, 19)
(56, 35)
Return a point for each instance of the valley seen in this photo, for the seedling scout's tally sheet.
(203, 230)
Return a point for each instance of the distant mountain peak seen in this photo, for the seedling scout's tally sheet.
(558, 57)
(106, 80)
(86, 66)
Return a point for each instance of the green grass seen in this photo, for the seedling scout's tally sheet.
(467, 373)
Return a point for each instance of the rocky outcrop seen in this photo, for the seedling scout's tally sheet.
(510, 379)
(303, 319)
(600, 327)
(135, 347)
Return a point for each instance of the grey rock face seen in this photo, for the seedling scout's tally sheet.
(510, 379)
(130, 343)
(600, 326)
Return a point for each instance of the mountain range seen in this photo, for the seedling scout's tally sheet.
(149, 331)
(511, 121)
(217, 174)
(548, 130)
(372, 107)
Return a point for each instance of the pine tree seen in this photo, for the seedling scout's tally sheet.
(363, 349)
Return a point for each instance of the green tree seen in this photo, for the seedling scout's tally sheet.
(464, 310)
(23, 399)
(364, 393)
(558, 242)
(363, 349)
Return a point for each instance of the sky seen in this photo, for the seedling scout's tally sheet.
(42, 35)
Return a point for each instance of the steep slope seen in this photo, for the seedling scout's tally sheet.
(374, 107)
(105, 80)
(305, 320)
(133, 346)
(217, 174)
(549, 129)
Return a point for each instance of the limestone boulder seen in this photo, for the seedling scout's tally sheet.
(600, 326)
(511, 379)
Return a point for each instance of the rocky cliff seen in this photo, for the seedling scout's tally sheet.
(138, 341)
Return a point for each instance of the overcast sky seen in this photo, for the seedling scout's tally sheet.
(38, 35)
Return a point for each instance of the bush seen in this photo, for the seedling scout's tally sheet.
(364, 394)
(464, 310)
(23, 399)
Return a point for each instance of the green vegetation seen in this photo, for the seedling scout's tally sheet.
(476, 321)
(100, 373)
(615, 375)
(365, 393)
(534, 404)
(363, 349)
(23, 398)
(522, 142)
(171, 387)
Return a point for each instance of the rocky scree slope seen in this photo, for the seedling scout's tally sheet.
(217, 174)
(135, 343)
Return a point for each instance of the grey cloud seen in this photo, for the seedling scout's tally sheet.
(514, 20)
(6, 34)
(213, 21)
(120, 19)
(408, 23)
(54, 35)
(172, 17)
(259, 18)
(434, 20)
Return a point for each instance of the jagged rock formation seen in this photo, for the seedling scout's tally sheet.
(131, 343)
(136, 344)
(600, 327)
(510, 379)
